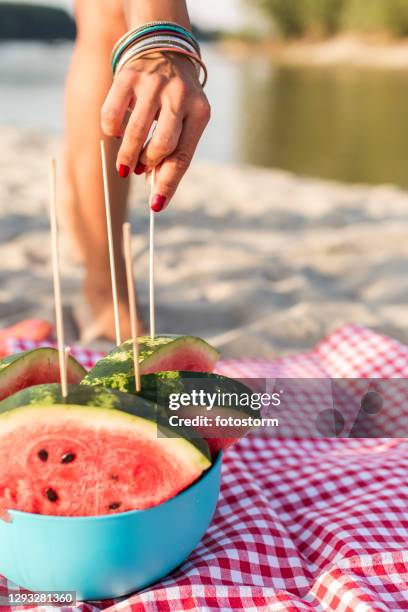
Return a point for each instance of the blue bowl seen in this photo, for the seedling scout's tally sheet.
(105, 557)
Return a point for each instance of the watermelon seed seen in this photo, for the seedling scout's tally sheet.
(114, 506)
(43, 455)
(114, 477)
(68, 458)
(52, 495)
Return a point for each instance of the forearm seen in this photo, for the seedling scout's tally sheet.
(139, 12)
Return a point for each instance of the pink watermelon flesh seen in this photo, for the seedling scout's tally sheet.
(188, 361)
(74, 468)
(170, 354)
(34, 368)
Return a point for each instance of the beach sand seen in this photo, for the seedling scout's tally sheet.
(264, 263)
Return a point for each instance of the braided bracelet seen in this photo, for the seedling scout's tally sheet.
(195, 59)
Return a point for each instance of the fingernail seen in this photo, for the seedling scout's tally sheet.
(140, 168)
(157, 202)
(123, 171)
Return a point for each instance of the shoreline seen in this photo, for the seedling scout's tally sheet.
(348, 50)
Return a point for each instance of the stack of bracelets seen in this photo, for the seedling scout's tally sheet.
(157, 37)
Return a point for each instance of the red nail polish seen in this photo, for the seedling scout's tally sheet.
(140, 168)
(157, 202)
(124, 171)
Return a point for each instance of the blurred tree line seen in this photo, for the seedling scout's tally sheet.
(31, 22)
(297, 18)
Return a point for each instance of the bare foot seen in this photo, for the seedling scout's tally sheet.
(102, 324)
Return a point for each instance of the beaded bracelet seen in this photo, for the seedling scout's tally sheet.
(149, 30)
(195, 59)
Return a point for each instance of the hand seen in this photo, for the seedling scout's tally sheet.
(162, 87)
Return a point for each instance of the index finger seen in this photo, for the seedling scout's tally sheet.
(175, 166)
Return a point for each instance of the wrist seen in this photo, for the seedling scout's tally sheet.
(170, 55)
(157, 36)
(161, 59)
(139, 12)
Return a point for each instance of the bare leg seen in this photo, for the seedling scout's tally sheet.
(99, 24)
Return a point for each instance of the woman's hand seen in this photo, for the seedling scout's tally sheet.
(162, 87)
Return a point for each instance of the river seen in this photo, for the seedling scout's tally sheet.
(341, 123)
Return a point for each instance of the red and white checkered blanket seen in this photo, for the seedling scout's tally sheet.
(300, 525)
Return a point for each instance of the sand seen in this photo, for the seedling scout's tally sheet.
(262, 262)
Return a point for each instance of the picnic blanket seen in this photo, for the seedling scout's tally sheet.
(301, 524)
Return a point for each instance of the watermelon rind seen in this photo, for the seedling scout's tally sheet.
(32, 367)
(159, 387)
(44, 396)
(114, 370)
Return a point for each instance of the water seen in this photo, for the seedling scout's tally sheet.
(345, 124)
(32, 85)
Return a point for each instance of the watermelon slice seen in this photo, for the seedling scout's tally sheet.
(82, 456)
(160, 386)
(163, 353)
(35, 367)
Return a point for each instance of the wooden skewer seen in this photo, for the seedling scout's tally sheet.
(110, 243)
(56, 274)
(67, 352)
(127, 247)
(151, 264)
